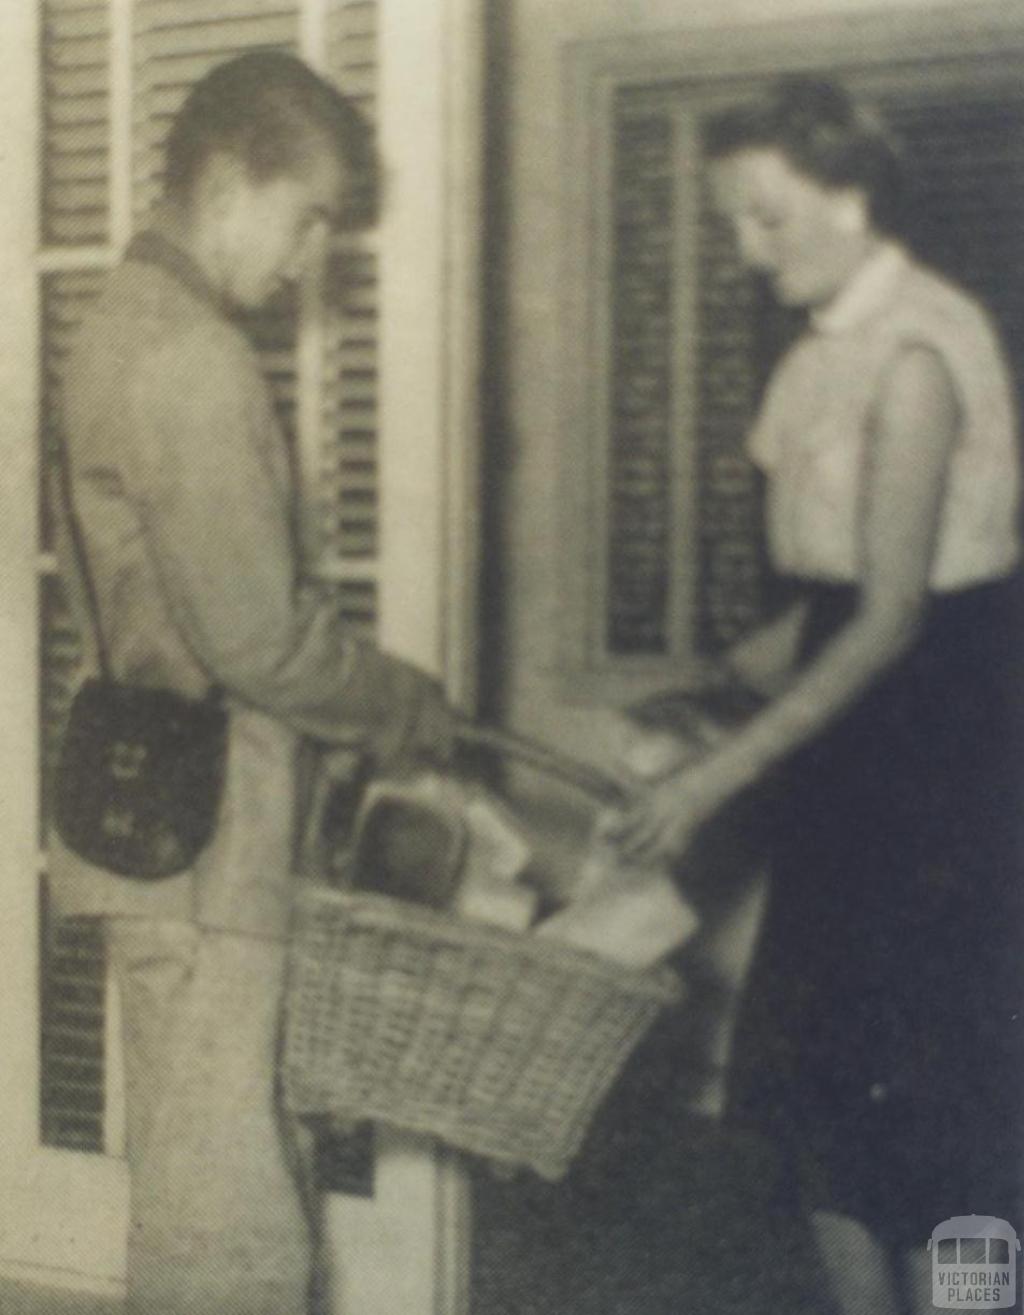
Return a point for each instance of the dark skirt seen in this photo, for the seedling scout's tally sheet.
(880, 1039)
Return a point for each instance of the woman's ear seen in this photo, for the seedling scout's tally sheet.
(851, 212)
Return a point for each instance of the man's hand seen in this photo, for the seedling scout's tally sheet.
(419, 728)
(431, 736)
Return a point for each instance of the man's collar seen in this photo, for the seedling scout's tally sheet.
(154, 247)
(865, 293)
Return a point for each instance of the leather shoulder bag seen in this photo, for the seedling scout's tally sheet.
(141, 770)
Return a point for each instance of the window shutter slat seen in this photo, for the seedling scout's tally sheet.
(76, 139)
(174, 46)
(77, 84)
(357, 604)
(65, 24)
(210, 13)
(74, 113)
(352, 50)
(79, 196)
(73, 167)
(85, 52)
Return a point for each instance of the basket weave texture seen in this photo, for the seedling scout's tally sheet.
(497, 1043)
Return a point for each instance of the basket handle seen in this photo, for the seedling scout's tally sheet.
(600, 785)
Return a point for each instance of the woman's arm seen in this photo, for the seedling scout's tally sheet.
(916, 426)
(764, 659)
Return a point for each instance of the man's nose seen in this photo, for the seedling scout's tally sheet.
(754, 248)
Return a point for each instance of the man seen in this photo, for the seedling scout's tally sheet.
(183, 490)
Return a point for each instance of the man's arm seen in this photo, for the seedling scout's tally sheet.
(218, 518)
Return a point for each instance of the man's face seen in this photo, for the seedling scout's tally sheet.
(267, 230)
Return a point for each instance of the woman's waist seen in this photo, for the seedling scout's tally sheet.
(831, 589)
(973, 617)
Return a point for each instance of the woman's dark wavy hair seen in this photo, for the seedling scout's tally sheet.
(824, 134)
(270, 110)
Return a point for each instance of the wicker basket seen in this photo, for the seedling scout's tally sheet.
(497, 1043)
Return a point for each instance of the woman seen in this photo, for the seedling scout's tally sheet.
(875, 1044)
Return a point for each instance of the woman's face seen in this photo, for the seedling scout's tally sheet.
(807, 239)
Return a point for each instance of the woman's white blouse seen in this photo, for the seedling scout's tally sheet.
(815, 426)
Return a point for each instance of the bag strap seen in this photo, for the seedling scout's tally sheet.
(147, 248)
(599, 785)
(62, 472)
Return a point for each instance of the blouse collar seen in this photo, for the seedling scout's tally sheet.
(865, 293)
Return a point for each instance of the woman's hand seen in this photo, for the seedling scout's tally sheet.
(662, 823)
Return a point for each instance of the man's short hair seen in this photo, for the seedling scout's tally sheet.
(270, 111)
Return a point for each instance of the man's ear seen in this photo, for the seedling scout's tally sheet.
(220, 179)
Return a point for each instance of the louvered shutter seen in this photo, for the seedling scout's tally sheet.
(351, 418)
(644, 598)
(346, 464)
(639, 461)
(75, 122)
(352, 50)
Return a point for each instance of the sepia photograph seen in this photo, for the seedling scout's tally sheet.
(512, 620)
